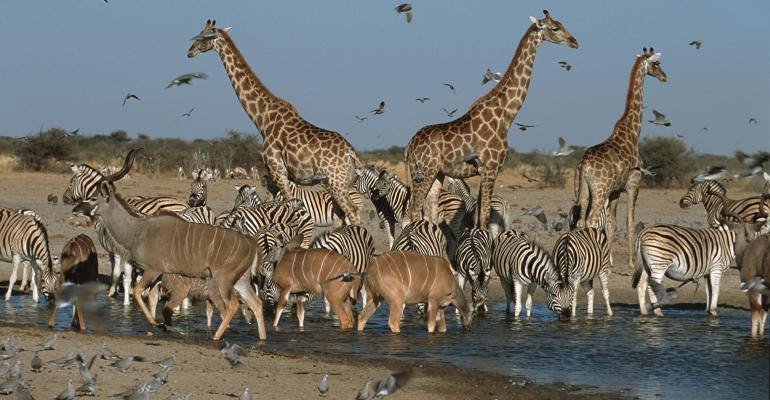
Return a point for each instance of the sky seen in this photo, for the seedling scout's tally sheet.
(69, 63)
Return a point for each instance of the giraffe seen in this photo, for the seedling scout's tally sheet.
(293, 149)
(614, 166)
(477, 142)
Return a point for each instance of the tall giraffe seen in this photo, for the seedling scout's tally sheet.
(477, 142)
(614, 166)
(293, 148)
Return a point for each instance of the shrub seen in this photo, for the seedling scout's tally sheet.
(37, 152)
(671, 160)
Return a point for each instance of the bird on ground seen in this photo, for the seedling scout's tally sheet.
(189, 113)
(449, 114)
(422, 99)
(162, 375)
(84, 293)
(363, 394)
(130, 96)
(491, 76)
(23, 393)
(696, 44)
(231, 353)
(713, 174)
(450, 86)
(88, 388)
(68, 359)
(380, 109)
(9, 386)
(124, 364)
(564, 149)
(660, 119)
(85, 369)
(245, 395)
(752, 121)
(752, 163)
(389, 385)
(68, 393)
(107, 354)
(185, 79)
(405, 9)
(36, 363)
(567, 66)
(361, 119)
(524, 127)
(138, 392)
(323, 386)
(167, 362)
(528, 178)
(51, 342)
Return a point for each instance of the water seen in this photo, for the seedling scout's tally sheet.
(684, 354)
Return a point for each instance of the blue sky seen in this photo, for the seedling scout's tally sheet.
(69, 64)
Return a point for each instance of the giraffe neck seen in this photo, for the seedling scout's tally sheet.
(631, 119)
(512, 88)
(255, 98)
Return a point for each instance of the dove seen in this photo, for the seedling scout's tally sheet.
(5, 367)
(538, 213)
(15, 370)
(125, 363)
(491, 76)
(186, 78)
(231, 353)
(50, 343)
(660, 119)
(363, 394)
(9, 386)
(386, 386)
(68, 393)
(36, 363)
(323, 386)
(189, 113)
(757, 285)
(167, 362)
(524, 127)
(130, 96)
(361, 119)
(567, 66)
(564, 149)
(139, 392)
(23, 393)
(422, 99)
(380, 109)
(162, 375)
(88, 388)
(85, 370)
(108, 354)
(68, 359)
(713, 174)
(696, 44)
(528, 178)
(245, 395)
(450, 86)
(450, 114)
(405, 9)
(752, 121)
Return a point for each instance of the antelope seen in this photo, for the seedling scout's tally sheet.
(316, 271)
(78, 264)
(177, 288)
(753, 260)
(167, 244)
(406, 277)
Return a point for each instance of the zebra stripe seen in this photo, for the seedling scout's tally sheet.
(473, 264)
(684, 255)
(198, 215)
(423, 237)
(498, 217)
(249, 221)
(748, 209)
(198, 193)
(319, 204)
(23, 238)
(84, 182)
(580, 256)
(521, 263)
(246, 196)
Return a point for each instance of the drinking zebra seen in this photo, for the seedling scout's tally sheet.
(23, 238)
(473, 264)
(711, 194)
(498, 216)
(355, 243)
(198, 193)
(249, 221)
(521, 263)
(319, 204)
(686, 255)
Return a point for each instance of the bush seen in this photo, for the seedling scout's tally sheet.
(670, 159)
(37, 152)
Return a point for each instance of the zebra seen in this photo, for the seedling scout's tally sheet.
(27, 267)
(249, 221)
(685, 255)
(198, 215)
(23, 238)
(710, 193)
(498, 218)
(198, 193)
(246, 196)
(319, 204)
(473, 264)
(355, 243)
(390, 197)
(521, 262)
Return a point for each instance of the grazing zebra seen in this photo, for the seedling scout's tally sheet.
(23, 238)
(198, 193)
(685, 255)
(521, 262)
(390, 197)
(580, 256)
(710, 193)
(249, 221)
(319, 204)
(498, 216)
(473, 263)
(246, 196)
(355, 243)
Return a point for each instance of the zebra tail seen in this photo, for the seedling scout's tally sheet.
(639, 263)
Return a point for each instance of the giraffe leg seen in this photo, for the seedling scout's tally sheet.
(419, 192)
(341, 194)
(431, 201)
(632, 188)
(487, 187)
(583, 197)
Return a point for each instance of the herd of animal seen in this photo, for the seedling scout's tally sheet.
(264, 252)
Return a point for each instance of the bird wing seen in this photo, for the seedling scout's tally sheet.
(562, 143)
(658, 115)
(562, 63)
(715, 170)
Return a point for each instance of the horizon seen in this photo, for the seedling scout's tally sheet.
(362, 54)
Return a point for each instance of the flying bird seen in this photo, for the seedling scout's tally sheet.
(449, 114)
(491, 76)
(705, 128)
(564, 149)
(713, 174)
(186, 78)
(189, 113)
(450, 86)
(71, 133)
(567, 66)
(524, 127)
(130, 96)
(649, 171)
(755, 284)
(422, 99)
(752, 121)
(752, 163)
(379, 110)
(660, 119)
(405, 9)
(679, 135)
(528, 178)
(361, 119)
(696, 44)
(323, 386)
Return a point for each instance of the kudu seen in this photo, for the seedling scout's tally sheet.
(405, 277)
(316, 271)
(165, 243)
(78, 264)
(753, 260)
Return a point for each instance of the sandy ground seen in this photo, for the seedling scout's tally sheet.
(200, 367)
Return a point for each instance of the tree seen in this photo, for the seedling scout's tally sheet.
(38, 151)
(669, 158)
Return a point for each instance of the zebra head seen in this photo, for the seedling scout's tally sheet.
(698, 191)
(246, 196)
(365, 180)
(86, 179)
(382, 185)
(49, 279)
(559, 296)
(198, 191)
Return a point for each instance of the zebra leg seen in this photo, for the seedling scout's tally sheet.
(115, 260)
(508, 294)
(641, 292)
(128, 274)
(16, 263)
(186, 303)
(24, 272)
(391, 228)
(33, 282)
(713, 291)
(530, 290)
(657, 277)
(604, 278)
(575, 286)
(588, 286)
(461, 283)
(517, 288)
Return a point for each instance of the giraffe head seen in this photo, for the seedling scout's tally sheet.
(553, 31)
(205, 40)
(652, 64)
